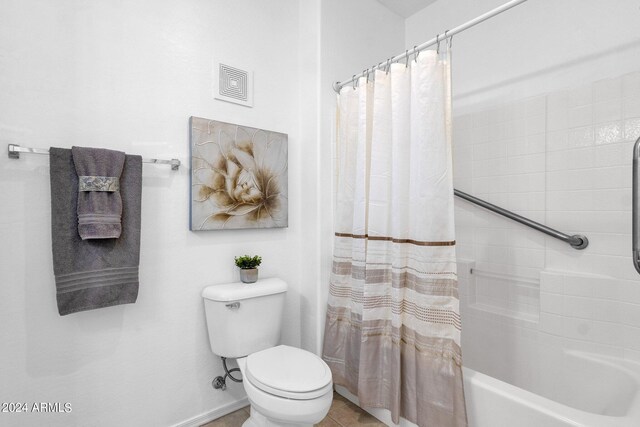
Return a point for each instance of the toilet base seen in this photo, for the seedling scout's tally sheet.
(259, 420)
(268, 410)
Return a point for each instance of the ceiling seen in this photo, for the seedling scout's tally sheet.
(406, 8)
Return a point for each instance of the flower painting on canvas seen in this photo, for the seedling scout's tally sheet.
(238, 176)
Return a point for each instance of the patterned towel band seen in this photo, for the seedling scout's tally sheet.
(98, 183)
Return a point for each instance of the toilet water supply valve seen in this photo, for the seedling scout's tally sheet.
(221, 382)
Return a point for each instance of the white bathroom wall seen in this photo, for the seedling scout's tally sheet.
(355, 35)
(537, 47)
(545, 116)
(127, 76)
(309, 125)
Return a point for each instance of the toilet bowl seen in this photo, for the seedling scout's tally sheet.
(286, 386)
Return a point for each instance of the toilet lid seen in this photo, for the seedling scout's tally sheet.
(289, 372)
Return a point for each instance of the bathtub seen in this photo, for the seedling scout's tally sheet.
(592, 391)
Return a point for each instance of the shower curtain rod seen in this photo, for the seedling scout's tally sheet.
(439, 38)
(14, 150)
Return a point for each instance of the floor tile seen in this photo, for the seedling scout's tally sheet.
(234, 419)
(342, 413)
(328, 422)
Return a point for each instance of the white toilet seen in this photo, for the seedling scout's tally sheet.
(286, 386)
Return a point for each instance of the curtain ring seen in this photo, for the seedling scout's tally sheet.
(388, 66)
(406, 57)
(353, 79)
(445, 37)
(437, 43)
(450, 42)
(366, 72)
(415, 53)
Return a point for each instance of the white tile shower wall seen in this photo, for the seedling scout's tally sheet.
(528, 51)
(590, 299)
(499, 156)
(588, 189)
(586, 312)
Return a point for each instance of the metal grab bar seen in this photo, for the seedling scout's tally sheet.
(635, 207)
(577, 241)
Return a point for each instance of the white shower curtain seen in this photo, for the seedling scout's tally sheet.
(392, 333)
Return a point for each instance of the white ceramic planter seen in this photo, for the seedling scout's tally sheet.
(249, 275)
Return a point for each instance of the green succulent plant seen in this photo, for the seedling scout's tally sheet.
(247, 261)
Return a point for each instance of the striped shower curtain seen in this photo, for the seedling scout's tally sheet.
(392, 334)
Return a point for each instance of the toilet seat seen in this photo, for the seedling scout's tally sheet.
(289, 372)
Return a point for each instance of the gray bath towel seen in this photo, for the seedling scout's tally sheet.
(93, 273)
(99, 200)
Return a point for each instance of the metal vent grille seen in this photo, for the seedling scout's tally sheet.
(233, 85)
(232, 82)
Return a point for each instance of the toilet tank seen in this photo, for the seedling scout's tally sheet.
(243, 318)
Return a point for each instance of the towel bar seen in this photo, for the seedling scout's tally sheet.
(15, 150)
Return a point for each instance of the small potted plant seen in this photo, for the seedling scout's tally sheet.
(248, 266)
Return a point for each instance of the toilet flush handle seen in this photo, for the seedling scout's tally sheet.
(233, 305)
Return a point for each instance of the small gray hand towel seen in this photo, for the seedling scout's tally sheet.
(99, 199)
(93, 273)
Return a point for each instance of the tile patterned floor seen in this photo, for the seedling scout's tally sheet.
(343, 413)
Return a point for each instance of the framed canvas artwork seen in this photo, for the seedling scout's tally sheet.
(238, 176)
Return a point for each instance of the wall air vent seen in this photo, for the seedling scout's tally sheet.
(232, 84)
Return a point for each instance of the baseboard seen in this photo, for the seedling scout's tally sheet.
(213, 414)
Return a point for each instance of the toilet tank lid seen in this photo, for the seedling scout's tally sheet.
(239, 291)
